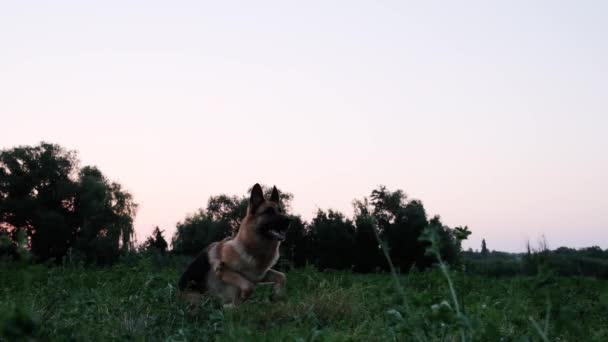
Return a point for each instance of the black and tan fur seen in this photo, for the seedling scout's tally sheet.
(230, 269)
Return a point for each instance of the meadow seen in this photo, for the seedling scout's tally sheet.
(136, 300)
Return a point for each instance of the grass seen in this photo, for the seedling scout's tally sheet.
(137, 301)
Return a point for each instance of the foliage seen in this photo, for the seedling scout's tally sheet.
(400, 222)
(156, 242)
(61, 207)
(332, 238)
(296, 247)
(484, 248)
(139, 301)
(104, 213)
(197, 232)
(77, 213)
(563, 261)
(452, 319)
(227, 209)
(368, 257)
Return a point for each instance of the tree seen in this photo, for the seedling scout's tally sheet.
(403, 238)
(449, 240)
(156, 242)
(400, 223)
(387, 206)
(592, 252)
(104, 213)
(368, 255)
(198, 231)
(484, 248)
(59, 206)
(36, 190)
(228, 209)
(332, 240)
(296, 247)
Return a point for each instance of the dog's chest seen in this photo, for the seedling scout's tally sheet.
(253, 266)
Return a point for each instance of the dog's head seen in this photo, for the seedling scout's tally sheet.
(264, 216)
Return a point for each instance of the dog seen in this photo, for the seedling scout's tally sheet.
(230, 269)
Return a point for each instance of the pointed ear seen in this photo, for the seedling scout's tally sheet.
(257, 197)
(275, 195)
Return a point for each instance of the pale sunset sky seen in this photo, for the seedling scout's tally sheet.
(494, 114)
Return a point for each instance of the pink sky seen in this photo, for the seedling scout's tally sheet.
(495, 116)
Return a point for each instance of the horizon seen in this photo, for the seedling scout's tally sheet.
(493, 115)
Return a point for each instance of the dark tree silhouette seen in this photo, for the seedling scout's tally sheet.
(484, 248)
(368, 255)
(156, 242)
(449, 244)
(105, 214)
(296, 248)
(58, 206)
(227, 209)
(400, 223)
(197, 231)
(332, 239)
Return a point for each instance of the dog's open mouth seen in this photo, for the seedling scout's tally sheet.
(277, 234)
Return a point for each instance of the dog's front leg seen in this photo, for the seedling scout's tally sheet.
(279, 281)
(231, 277)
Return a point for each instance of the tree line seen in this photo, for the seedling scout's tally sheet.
(563, 261)
(331, 240)
(58, 209)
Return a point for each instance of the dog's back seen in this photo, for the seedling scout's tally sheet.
(195, 276)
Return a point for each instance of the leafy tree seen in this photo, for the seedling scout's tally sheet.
(228, 209)
(59, 206)
(449, 243)
(461, 234)
(400, 223)
(368, 255)
(484, 248)
(36, 190)
(593, 252)
(387, 206)
(332, 240)
(197, 232)
(403, 236)
(296, 247)
(156, 242)
(566, 251)
(104, 213)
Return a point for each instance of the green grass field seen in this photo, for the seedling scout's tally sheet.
(137, 301)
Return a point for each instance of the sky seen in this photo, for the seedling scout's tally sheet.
(494, 114)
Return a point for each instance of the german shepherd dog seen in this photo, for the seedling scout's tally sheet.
(230, 269)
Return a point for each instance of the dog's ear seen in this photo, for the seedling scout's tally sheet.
(275, 195)
(257, 197)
